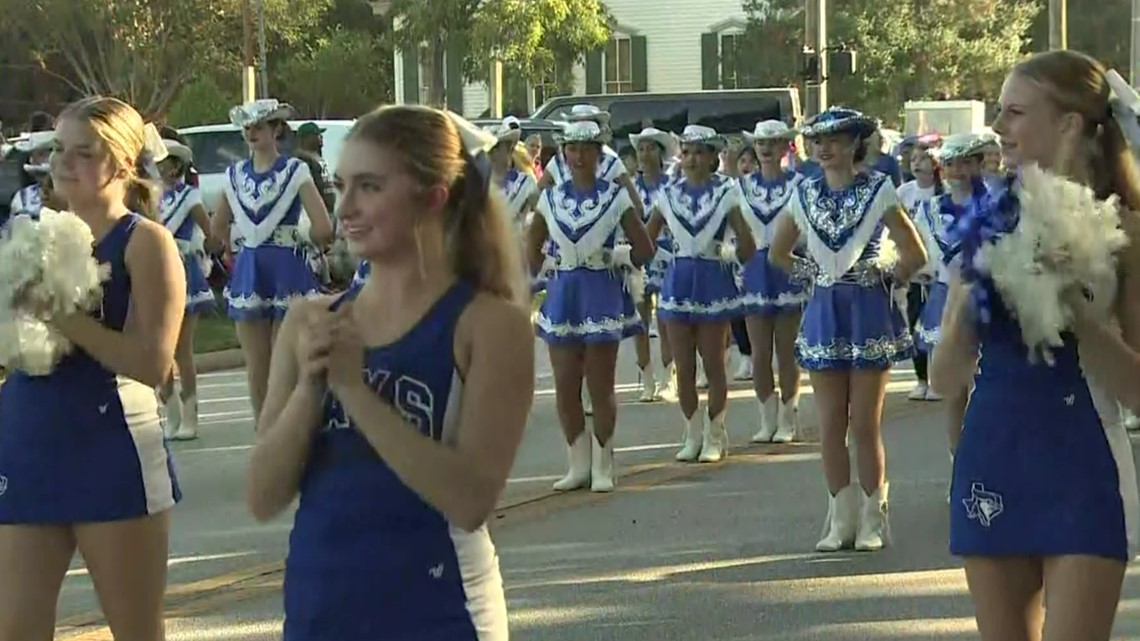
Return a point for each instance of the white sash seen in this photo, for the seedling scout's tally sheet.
(277, 192)
(178, 208)
(856, 214)
(28, 200)
(519, 191)
(706, 214)
(602, 215)
(765, 201)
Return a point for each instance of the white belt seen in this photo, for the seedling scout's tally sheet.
(286, 236)
(597, 260)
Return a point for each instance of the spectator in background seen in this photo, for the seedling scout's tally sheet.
(876, 160)
(170, 133)
(310, 149)
(534, 148)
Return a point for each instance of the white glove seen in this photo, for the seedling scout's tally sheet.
(622, 256)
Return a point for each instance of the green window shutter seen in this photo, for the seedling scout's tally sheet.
(710, 61)
(411, 59)
(594, 72)
(727, 59)
(453, 74)
(639, 63)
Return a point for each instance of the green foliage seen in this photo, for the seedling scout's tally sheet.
(201, 102)
(775, 36)
(348, 73)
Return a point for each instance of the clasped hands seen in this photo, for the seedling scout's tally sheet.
(329, 347)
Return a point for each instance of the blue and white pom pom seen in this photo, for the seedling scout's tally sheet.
(47, 270)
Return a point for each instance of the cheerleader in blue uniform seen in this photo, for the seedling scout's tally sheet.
(773, 302)
(34, 175)
(653, 148)
(386, 409)
(266, 196)
(83, 463)
(588, 309)
(1044, 506)
(182, 213)
(853, 328)
(699, 296)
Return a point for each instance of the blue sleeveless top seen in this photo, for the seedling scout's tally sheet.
(368, 558)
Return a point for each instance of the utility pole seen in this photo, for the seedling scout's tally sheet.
(824, 52)
(815, 40)
(1135, 43)
(263, 57)
(249, 75)
(1058, 24)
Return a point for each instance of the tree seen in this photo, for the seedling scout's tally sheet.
(146, 51)
(946, 48)
(315, 81)
(200, 102)
(425, 26)
(773, 39)
(1100, 29)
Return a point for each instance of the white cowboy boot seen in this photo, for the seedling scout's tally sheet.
(874, 527)
(702, 377)
(188, 430)
(578, 476)
(769, 414)
(691, 443)
(587, 402)
(648, 384)
(172, 410)
(842, 518)
(668, 390)
(715, 437)
(789, 421)
(744, 367)
(602, 469)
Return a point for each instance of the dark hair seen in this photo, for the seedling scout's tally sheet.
(480, 242)
(860, 147)
(170, 133)
(41, 121)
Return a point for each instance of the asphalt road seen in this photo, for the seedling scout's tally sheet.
(678, 552)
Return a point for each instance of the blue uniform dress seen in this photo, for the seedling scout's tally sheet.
(851, 320)
(699, 286)
(28, 200)
(368, 558)
(655, 270)
(767, 290)
(82, 445)
(270, 268)
(587, 300)
(176, 211)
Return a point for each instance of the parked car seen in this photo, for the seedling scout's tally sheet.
(729, 112)
(216, 147)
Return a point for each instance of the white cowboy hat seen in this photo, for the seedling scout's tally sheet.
(769, 130)
(665, 139)
(699, 134)
(259, 111)
(36, 141)
(579, 113)
(510, 130)
(583, 131)
(958, 146)
(178, 150)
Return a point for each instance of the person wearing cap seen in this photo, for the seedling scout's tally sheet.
(588, 309)
(653, 147)
(699, 296)
(310, 148)
(853, 330)
(183, 214)
(773, 302)
(266, 197)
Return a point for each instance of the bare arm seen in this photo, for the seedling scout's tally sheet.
(320, 230)
(784, 243)
(638, 237)
(287, 425)
(656, 224)
(634, 198)
(536, 235)
(462, 482)
(144, 349)
(220, 223)
(745, 243)
(955, 357)
(912, 253)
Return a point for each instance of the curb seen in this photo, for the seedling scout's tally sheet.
(219, 361)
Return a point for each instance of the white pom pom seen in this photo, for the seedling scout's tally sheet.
(1066, 239)
(46, 270)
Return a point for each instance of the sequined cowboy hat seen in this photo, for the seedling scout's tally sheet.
(958, 146)
(667, 141)
(510, 130)
(840, 120)
(588, 113)
(583, 131)
(769, 130)
(259, 111)
(701, 135)
(990, 140)
(35, 142)
(178, 150)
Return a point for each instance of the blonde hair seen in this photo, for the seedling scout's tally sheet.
(479, 237)
(522, 159)
(1077, 83)
(122, 130)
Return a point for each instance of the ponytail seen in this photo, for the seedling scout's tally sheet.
(1114, 166)
(480, 241)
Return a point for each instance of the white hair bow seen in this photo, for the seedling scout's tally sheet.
(1125, 105)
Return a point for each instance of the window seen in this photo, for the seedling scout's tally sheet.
(425, 74)
(547, 87)
(730, 76)
(618, 68)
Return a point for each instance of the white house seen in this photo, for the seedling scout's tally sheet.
(657, 46)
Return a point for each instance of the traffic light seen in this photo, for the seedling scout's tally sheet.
(809, 65)
(842, 62)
